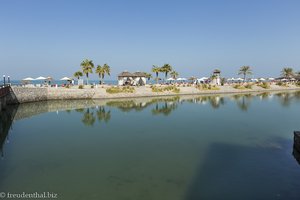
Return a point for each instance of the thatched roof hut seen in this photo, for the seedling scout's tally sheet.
(126, 74)
(139, 74)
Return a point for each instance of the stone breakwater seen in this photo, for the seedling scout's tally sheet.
(23, 94)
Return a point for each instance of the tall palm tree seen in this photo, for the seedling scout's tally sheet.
(78, 74)
(148, 76)
(287, 72)
(101, 71)
(87, 67)
(166, 68)
(245, 70)
(174, 74)
(156, 70)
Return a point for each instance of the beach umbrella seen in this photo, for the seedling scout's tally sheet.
(41, 78)
(28, 79)
(65, 79)
(262, 79)
(170, 79)
(239, 79)
(181, 79)
(271, 79)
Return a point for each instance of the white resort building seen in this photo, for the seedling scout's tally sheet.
(134, 79)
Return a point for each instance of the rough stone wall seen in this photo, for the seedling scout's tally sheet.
(24, 95)
(65, 93)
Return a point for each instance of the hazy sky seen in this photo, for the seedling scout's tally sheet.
(51, 38)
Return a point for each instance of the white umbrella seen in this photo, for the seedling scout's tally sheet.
(41, 78)
(202, 79)
(293, 79)
(28, 79)
(262, 79)
(271, 79)
(254, 79)
(65, 79)
(239, 79)
(170, 79)
(181, 79)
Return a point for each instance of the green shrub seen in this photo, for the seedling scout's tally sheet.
(167, 88)
(282, 84)
(67, 86)
(242, 87)
(80, 87)
(92, 86)
(297, 83)
(114, 90)
(248, 86)
(207, 87)
(264, 85)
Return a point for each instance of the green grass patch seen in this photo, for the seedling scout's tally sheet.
(164, 89)
(243, 86)
(282, 84)
(115, 90)
(80, 87)
(264, 85)
(207, 87)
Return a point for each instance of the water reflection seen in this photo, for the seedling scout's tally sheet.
(100, 110)
(88, 118)
(6, 120)
(103, 114)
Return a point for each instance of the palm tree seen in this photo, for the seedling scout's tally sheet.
(174, 74)
(166, 68)
(101, 71)
(87, 67)
(78, 74)
(245, 70)
(287, 72)
(148, 76)
(156, 70)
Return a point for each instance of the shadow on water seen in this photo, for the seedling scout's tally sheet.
(241, 172)
(6, 121)
(296, 146)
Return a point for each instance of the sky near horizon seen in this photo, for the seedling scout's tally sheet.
(52, 37)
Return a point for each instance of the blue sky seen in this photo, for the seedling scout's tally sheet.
(52, 37)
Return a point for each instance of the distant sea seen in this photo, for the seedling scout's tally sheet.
(59, 82)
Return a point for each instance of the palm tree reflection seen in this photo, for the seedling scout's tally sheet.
(103, 115)
(88, 118)
(166, 109)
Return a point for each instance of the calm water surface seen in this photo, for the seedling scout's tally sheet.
(175, 148)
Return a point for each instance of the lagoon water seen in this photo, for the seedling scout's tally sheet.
(174, 148)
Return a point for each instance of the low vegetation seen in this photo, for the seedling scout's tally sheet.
(264, 85)
(282, 84)
(207, 87)
(243, 86)
(165, 89)
(80, 87)
(114, 90)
